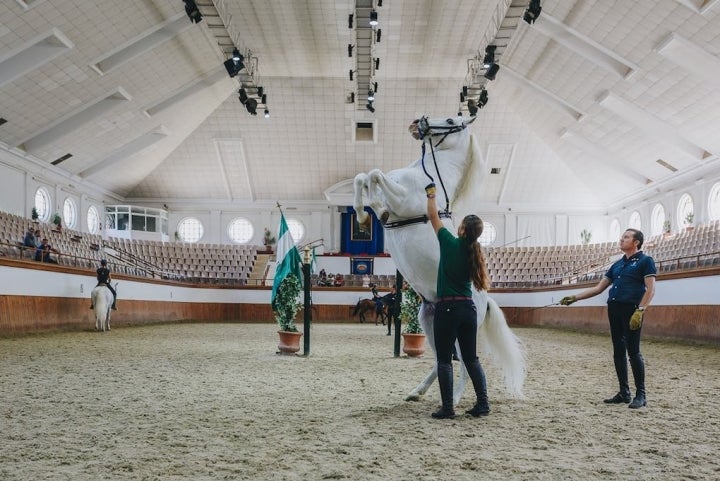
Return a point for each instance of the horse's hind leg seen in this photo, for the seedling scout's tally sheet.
(425, 317)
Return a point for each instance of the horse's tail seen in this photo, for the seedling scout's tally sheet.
(357, 308)
(504, 348)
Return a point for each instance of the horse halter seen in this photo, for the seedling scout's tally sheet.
(426, 130)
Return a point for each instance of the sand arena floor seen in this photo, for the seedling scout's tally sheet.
(214, 401)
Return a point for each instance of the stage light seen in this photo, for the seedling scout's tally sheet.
(379, 3)
(532, 12)
(267, 113)
(251, 106)
(350, 21)
(377, 64)
(236, 55)
(378, 33)
(462, 97)
(352, 97)
(492, 71)
(260, 91)
(373, 18)
(192, 11)
(489, 58)
(263, 99)
(472, 107)
(371, 95)
(465, 90)
(351, 75)
(350, 49)
(370, 107)
(375, 86)
(242, 96)
(483, 99)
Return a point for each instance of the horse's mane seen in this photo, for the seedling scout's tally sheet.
(467, 195)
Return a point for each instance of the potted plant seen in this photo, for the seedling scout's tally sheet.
(57, 220)
(666, 228)
(413, 335)
(287, 304)
(268, 240)
(689, 221)
(35, 215)
(585, 236)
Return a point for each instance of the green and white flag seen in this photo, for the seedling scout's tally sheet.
(313, 263)
(288, 258)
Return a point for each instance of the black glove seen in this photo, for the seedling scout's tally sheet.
(430, 190)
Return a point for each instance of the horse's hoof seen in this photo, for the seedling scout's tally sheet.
(384, 217)
(412, 397)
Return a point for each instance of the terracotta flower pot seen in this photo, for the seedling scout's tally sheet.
(289, 342)
(414, 344)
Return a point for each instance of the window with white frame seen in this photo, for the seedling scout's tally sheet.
(685, 210)
(635, 221)
(240, 230)
(42, 204)
(297, 229)
(190, 229)
(657, 220)
(614, 229)
(714, 202)
(93, 220)
(488, 235)
(69, 213)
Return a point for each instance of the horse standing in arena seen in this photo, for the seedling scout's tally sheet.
(102, 300)
(364, 306)
(398, 200)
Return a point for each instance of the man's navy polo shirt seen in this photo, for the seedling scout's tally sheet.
(628, 278)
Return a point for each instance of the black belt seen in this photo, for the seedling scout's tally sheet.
(455, 298)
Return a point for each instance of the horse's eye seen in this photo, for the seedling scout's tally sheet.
(450, 121)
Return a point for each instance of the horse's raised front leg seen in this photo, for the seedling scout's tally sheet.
(387, 195)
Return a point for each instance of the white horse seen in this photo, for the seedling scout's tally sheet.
(398, 199)
(102, 300)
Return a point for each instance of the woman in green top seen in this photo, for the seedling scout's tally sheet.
(462, 266)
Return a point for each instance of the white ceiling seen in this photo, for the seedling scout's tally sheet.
(586, 101)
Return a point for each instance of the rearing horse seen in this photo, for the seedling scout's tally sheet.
(398, 199)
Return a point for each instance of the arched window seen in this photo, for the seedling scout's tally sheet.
(297, 230)
(42, 204)
(489, 234)
(714, 202)
(93, 220)
(614, 229)
(657, 220)
(190, 229)
(240, 230)
(69, 213)
(635, 222)
(685, 210)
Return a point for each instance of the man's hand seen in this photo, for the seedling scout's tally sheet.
(636, 320)
(567, 300)
(430, 190)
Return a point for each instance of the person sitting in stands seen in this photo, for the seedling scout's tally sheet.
(29, 241)
(323, 279)
(103, 278)
(42, 253)
(339, 281)
(366, 280)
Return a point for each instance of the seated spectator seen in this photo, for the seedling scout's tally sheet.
(339, 281)
(366, 280)
(323, 280)
(29, 242)
(42, 253)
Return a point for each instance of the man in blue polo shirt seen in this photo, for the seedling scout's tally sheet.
(633, 286)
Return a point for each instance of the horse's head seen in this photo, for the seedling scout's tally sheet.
(426, 129)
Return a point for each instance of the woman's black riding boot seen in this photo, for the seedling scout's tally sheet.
(638, 369)
(477, 375)
(445, 380)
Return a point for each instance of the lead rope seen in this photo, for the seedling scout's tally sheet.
(442, 184)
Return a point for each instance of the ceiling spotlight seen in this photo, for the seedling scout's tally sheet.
(373, 18)
(492, 71)
(192, 11)
(532, 12)
(350, 49)
(352, 97)
(379, 4)
(371, 95)
(483, 99)
(260, 91)
(489, 58)
(370, 107)
(351, 75)
(472, 107)
(375, 86)
(236, 56)
(267, 113)
(377, 64)
(465, 90)
(263, 99)
(378, 33)
(242, 96)
(462, 97)
(350, 21)
(251, 106)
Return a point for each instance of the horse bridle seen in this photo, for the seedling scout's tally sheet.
(426, 130)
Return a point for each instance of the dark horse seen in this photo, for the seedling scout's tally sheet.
(368, 305)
